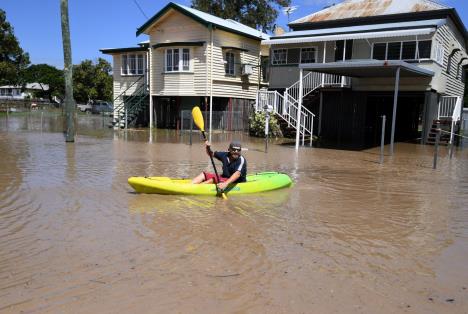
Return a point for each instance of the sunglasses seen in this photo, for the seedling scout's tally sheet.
(234, 149)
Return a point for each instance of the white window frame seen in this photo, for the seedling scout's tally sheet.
(275, 61)
(183, 64)
(315, 54)
(416, 54)
(230, 69)
(439, 53)
(139, 64)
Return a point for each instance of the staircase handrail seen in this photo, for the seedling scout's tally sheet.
(137, 103)
(313, 80)
(287, 109)
(287, 105)
(138, 92)
(457, 110)
(122, 104)
(447, 105)
(141, 77)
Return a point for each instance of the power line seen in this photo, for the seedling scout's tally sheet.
(140, 9)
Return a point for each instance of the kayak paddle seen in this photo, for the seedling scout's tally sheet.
(198, 119)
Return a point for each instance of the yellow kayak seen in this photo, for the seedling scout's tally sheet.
(259, 182)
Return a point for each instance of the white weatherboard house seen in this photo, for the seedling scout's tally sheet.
(342, 68)
(20, 92)
(191, 58)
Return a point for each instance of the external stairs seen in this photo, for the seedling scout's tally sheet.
(130, 106)
(286, 105)
(447, 121)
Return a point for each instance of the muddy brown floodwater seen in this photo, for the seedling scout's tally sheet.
(351, 235)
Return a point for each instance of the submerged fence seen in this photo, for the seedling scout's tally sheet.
(222, 120)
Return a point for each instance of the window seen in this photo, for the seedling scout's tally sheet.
(424, 49)
(185, 59)
(394, 51)
(408, 50)
(279, 56)
(293, 55)
(264, 68)
(140, 64)
(439, 53)
(133, 64)
(229, 65)
(339, 50)
(379, 51)
(174, 63)
(308, 55)
(124, 65)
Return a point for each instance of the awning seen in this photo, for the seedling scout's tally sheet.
(359, 35)
(368, 68)
(120, 50)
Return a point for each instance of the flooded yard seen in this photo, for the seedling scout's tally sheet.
(351, 235)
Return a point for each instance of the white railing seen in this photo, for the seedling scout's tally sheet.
(450, 108)
(287, 106)
(287, 110)
(446, 106)
(335, 80)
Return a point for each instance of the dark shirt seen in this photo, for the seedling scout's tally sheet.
(240, 164)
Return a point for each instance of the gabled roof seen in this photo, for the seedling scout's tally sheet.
(351, 9)
(207, 20)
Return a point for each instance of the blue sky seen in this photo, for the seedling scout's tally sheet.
(96, 24)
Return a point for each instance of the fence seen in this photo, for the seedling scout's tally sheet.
(222, 120)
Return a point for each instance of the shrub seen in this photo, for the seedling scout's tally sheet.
(257, 125)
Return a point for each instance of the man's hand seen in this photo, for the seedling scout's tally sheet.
(223, 185)
(208, 148)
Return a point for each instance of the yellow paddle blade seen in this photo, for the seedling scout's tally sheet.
(198, 118)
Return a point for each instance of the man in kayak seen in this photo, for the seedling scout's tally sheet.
(234, 166)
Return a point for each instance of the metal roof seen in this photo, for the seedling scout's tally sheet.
(205, 18)
(363, 28)
(365, 8)
(368, 68)
(125, 49)
(359, 35)
(37, 86)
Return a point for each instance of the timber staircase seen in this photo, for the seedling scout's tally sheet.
(447, 121)
(130, 106)
(286, 106)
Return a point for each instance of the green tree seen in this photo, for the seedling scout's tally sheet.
(92, 81)
(259, 14)
(13, 60)
(45, 74)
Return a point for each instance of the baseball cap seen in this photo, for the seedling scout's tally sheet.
(235, 145)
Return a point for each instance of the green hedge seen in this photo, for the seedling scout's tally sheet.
(257, 125)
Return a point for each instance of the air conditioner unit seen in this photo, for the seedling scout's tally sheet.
(247, 69)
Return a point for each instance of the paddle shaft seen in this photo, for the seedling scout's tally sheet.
(214, 166)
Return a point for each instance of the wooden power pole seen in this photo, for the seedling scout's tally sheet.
(68, 74)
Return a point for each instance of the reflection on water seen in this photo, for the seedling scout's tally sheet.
(351, 235)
